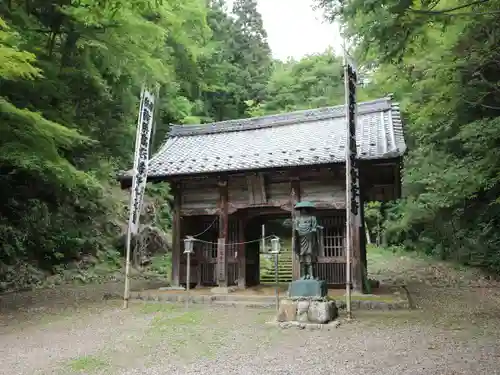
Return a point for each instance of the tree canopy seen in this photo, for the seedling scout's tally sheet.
(441, 60)
(71, 73)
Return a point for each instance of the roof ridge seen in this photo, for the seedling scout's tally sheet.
(280, 119)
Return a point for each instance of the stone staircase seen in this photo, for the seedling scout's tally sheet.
(284, 267)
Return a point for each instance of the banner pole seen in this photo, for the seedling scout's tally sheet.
(348, 178)
(126, 291)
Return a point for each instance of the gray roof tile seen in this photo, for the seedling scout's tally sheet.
(308, 137)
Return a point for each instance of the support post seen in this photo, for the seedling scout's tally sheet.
(363, 238)
(353, 201)
(294, 198)
(242, 257)
(188, 278)
(276, 281)
(397, 181)
(176, 235)
(222, 278)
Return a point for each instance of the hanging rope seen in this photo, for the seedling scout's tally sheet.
(236, 243)
(206, 230)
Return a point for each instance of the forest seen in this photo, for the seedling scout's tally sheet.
(71, 72)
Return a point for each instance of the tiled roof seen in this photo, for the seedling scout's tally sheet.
(308, 137)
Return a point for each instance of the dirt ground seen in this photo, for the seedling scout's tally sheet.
(70, 331)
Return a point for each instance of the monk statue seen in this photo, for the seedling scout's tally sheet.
(307, 237)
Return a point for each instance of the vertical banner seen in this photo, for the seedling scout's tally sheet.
(139, 177)
(352, 182)
(141, 157)
(351, 149)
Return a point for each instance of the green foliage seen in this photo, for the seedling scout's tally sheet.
(440, 59)
(311, 82)
(70, 80)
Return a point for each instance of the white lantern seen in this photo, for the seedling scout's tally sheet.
(275, 245)
(188, 245)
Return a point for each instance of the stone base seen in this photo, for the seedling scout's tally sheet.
(311, 310)
(309, 326)
(223, 290)
(307, 288)
(171, 288)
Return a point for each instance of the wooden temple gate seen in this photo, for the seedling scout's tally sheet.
(220, 171)
(205, 258)
(216, 213)
(331, 260)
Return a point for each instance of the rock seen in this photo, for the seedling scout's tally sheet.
(302, 311)
(334, 324)
(285, 325)
(322, 312)
(287, 311)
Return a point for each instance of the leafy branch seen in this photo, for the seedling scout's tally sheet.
(448, 11)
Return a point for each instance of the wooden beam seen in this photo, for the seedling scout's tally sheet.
(294, 198)
(251, 199)
(262, 184)
(176, 235)
(222, 275)
(397, 181)
(242, 264)
(357, 232)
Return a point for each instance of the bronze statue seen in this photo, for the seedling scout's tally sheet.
(307, 243)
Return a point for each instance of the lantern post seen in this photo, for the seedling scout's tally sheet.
(188, 250)
(275, 249)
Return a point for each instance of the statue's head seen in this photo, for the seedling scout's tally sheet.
(305, 207)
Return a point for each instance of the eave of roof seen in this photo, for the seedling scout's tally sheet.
(389, 127)
(281, 119)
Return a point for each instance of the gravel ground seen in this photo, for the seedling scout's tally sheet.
(456, 330)
(154, 339)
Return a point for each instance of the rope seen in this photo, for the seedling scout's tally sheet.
(236, 243)
(206, 230)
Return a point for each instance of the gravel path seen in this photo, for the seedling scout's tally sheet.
(157, 339)
(66, 332)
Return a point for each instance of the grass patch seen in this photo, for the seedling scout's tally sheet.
(88, 364)
(187, 333)
(161, 307)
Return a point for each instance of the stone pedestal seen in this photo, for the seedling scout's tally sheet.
(307, 288)
(307, 310)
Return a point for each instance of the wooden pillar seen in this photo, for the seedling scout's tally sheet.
(358, 235)
(294, 198)
(397, 181)
(199, 260)
(362, 232)
(176, 235)
(242, 256)
(222, 274)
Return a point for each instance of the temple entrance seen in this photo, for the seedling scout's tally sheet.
(248, 264)
(259, 263)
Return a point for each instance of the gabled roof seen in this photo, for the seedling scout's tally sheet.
(309, 137)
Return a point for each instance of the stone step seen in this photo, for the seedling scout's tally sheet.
(247, 304)
(259, 300)
(282, 278)
(280, 272)
(272, 275)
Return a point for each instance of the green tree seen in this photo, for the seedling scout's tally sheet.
(311, 82)
(440, 58)
(70, 77)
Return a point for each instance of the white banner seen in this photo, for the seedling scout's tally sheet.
(141, 158)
